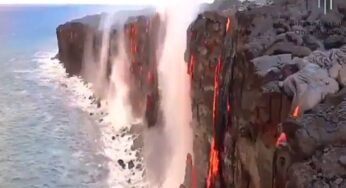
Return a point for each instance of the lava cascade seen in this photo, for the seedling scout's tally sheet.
(228, 24)
(191, 65)
(296, 112)
(133, 36)
(214, 151)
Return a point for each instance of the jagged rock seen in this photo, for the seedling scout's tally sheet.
(72, 38)
(130, 164)
(309, 86)
(338, 181)
(288, 47)
(139, 166)
(273, 52)
(325, 167)
(342, 160)
(121, 163)
(81, 41)
(334, 41)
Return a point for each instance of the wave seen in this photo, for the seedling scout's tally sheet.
(126, 167)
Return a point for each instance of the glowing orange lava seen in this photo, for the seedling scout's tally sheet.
(228, 24)
(216, 88)
(189, 162)
(296, 112)
(191, 67)
(214, 152)
(213, 164)
(282, 139)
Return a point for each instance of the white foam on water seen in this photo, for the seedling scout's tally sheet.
(51, 73)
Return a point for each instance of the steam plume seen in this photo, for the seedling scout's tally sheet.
(167, 145)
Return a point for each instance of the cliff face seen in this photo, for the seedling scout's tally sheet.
(267, 90)
(260, 96)
(80, 50)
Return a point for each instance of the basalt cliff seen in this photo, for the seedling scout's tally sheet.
(267, 88)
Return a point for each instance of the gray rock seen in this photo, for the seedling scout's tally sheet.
(121, 163)
(338, 181)
(130, 164)
(342, 160)
(334, 41)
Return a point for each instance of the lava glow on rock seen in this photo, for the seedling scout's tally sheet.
(214, 152)
(133, 36)
(282, 139)
(191, 67)
(296, 112)
(189, 162)
(213, 164)
(228, 24)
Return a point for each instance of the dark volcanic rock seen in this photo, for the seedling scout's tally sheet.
(130, 164)
(121, 163)
(71, 41)
(334, 41)
(266, 48)
(321, 169)
(80, 50)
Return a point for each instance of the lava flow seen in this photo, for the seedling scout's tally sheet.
(281, 140)
(228, 24)
(133, 36)
(213, 164)
(191, 67)
(214, 152)
(189, 163)
(296, 112)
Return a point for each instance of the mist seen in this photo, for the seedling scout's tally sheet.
(167, 145)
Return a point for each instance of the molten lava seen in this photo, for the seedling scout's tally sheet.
(214, 152)
(213, 164)
(191, 67)
(133, 36)
(189, 162)
(228, 24)
(296, 112)
(281, 140)
(216, 89)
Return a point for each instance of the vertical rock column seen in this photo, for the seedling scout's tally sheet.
(141, 45)
(205, 56)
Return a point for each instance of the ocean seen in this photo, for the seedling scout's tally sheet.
(50, 131)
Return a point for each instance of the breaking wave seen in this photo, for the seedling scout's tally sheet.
(125, 165)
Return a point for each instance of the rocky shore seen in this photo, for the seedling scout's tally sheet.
(267, 82)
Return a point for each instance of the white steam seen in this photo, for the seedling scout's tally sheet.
(167, 145)
(101, 77)
(118, 91)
